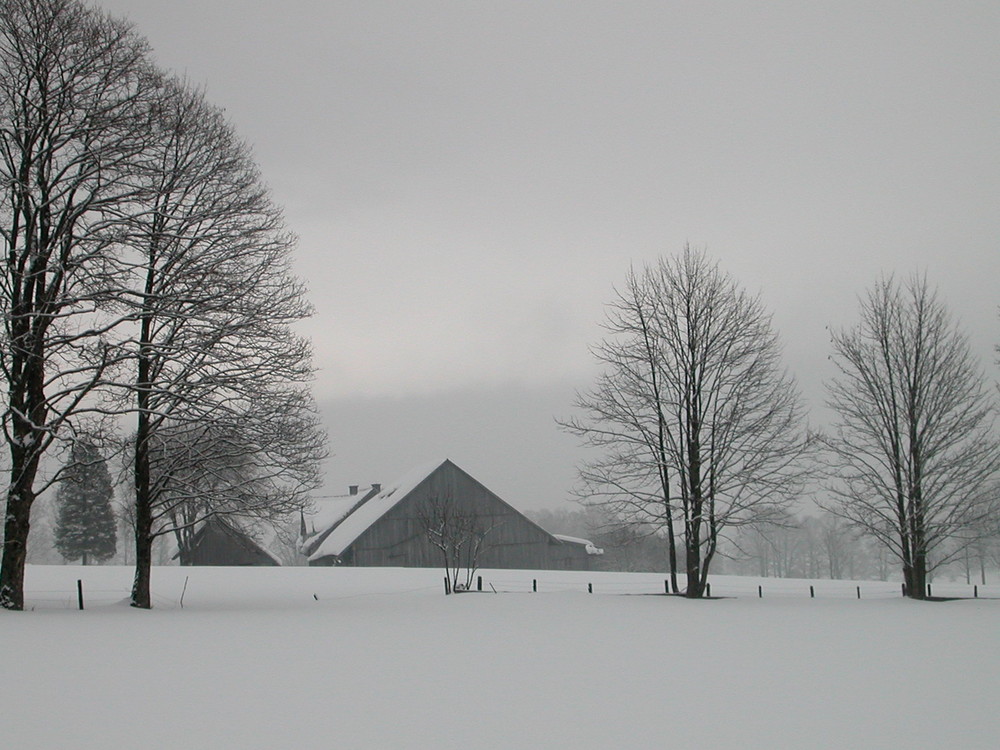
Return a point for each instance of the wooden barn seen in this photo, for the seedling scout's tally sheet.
(221, 542)
(388, 526)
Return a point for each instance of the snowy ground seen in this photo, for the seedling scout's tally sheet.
(380, 658)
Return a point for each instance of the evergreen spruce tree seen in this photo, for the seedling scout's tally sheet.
(85, 528)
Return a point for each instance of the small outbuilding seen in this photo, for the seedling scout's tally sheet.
(388, 526)
(220, 541)
(581, 551)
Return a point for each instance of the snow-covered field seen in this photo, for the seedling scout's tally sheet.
(380, 658)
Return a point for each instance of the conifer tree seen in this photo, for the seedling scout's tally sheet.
(85, 528)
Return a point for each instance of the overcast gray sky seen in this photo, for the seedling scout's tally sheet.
(470, 179)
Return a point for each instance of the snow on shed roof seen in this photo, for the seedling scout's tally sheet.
(591, 548)
(361, 518)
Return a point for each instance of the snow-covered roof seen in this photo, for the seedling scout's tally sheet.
(328, 513)
(591, 548)
(353, 523)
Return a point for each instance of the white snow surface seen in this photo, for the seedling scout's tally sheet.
(380, 658)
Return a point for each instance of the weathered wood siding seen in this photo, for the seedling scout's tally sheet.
(399, 538)
(219, 545)
(569, 556)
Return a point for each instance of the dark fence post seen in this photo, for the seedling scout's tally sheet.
(760, 592)
(904, 588)
(859, 592)
(79, 592)
(666, 586)
(447, 586)
(975, 592)
(479, 583)
(534, 584)
(928, 591)
(708, 590)
(812, 593)
(590, 588)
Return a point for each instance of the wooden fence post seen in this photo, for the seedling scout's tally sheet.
(975, 592)
(812, 593)
(859, 592)
(479, 583)
(666, 586)
(708, 590)
(79, 592)
(534, 584)
(760, 592)
(929, 591)
(590, 588)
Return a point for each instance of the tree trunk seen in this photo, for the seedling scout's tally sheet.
(915, 577)
(696, 505)
(143, 564)
(15, 548)
(709, 555)
(920, 576)
(695, 584)
(143, 526)
(25, 458)
(141, 470)
(672, 551)
(143, 515)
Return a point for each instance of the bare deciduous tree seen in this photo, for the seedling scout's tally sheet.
(225, 421)
(459, 533)
(72, 117)
(695, 417)
(913, 458)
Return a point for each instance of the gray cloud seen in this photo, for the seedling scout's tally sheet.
(470, 179)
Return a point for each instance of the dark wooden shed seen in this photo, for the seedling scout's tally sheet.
(222, 542)
(387, 527)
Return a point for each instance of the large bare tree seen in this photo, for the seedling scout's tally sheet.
(695, 421)
(913, 457)
(72, 118)
(225, 420)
